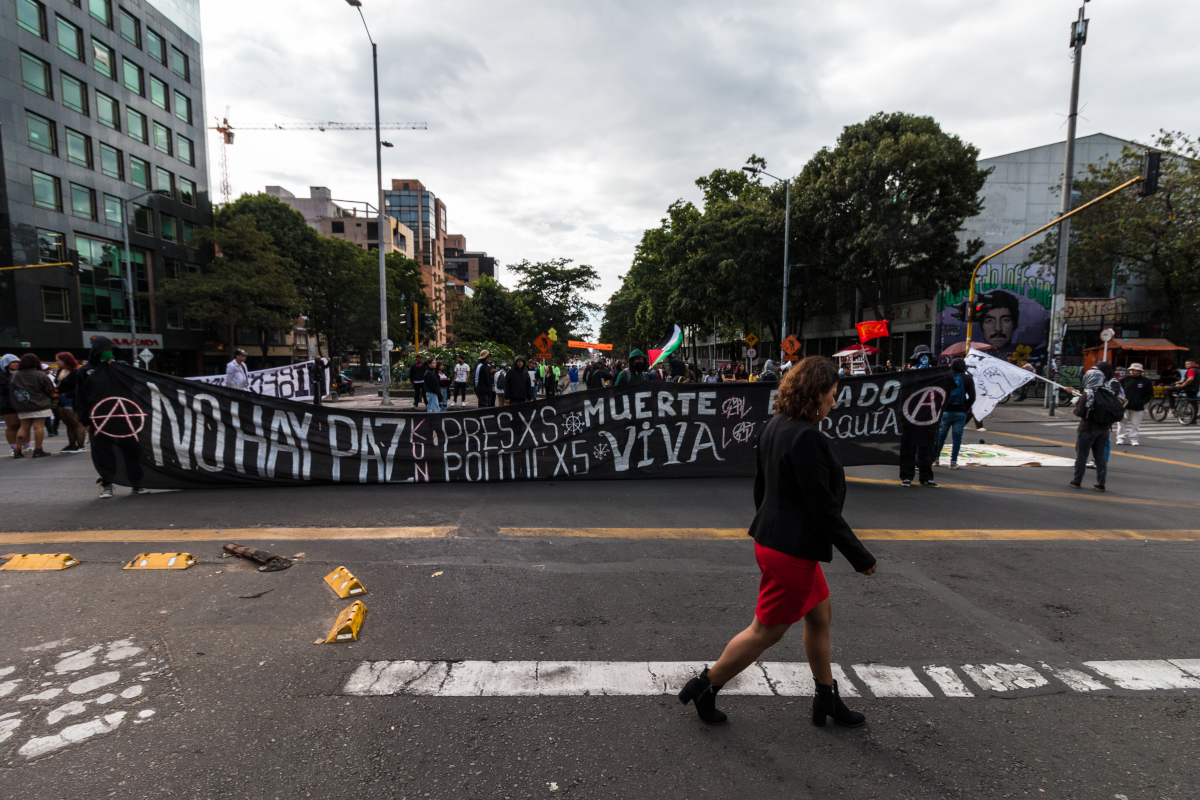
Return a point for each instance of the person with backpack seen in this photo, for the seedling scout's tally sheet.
(958, 408)
(1098, 409)
(635, 372)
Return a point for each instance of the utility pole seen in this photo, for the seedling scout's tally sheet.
(1058, 311)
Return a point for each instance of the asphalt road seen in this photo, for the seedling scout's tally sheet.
(244, 704)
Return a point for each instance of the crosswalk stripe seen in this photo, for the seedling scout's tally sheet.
(763, 679)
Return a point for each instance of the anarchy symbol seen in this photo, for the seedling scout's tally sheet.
(114, 414)
(743, 431)
(925, 407)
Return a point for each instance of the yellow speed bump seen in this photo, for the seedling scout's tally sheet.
(344, 583)
(161, 561)
(41, 561)
(347, 624)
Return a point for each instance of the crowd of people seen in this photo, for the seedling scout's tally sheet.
(38, 399)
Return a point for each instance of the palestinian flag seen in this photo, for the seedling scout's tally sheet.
(669, 344)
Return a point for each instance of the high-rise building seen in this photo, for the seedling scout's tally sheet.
(356, 221)
(101, 128)
(466, 265)
(419, 209)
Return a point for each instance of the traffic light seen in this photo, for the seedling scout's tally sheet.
(426, 321)
(406, 320)
(73, 259)
(1150, 171)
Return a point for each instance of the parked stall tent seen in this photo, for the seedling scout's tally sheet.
(1156, 354)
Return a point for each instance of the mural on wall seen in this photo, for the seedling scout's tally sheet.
(1013, 313)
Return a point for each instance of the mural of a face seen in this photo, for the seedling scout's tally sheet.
(998, 325)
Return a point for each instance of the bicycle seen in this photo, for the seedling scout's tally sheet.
(1185, 412)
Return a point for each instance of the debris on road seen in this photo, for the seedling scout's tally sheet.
(270, 563)
(434, 575)
(256, 594)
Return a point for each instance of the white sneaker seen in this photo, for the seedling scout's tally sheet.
(1134, 444)
(982, 429)
(953, 465)
(1119, 441)
(106, 491)
(140, 490)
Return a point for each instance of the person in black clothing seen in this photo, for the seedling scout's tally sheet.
(957, 410)
(316, 379)
(1139, 390)
(100, 381)
(1091, 438)
(417, 376)
(598, 376)
(485, 387)
(799, 493)
(676, 369)
(517, 388)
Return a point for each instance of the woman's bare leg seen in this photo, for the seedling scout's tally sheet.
(745, 648)
(23, 433)
(816, 641)
(11, 426)
(39, 431)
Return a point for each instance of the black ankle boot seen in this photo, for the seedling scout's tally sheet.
(704, 693)
(828, 703)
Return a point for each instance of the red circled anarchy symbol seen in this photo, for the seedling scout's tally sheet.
(118, 417)
(925, 407)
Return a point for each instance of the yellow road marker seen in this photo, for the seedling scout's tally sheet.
(161, 561)
(26, 561)
(227, 534)
(343, 583)
(1114, 452)
(873, 534)
(347, 624)
(1078, 494)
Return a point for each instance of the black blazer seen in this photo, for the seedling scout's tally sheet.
(799, 493)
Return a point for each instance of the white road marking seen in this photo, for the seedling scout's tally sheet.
(946, 680)
(8, 686)
(8, 723)
(1189, 665)
(6, 671)
(1077, 679)
(1004, 677)
(93, 682)
(1144, 675)
(891, 681)
(72, 733)
(794, 679)
(76, 660)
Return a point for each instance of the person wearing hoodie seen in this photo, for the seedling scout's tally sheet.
(99, 381)
(769, 375)
(30, 391)
(12, 423)
(635, 372)
(517, 388)
(958, 408)
(598, 375)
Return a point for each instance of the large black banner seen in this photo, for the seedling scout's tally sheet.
(191, 435)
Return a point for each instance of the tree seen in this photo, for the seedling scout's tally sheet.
(888, 202)
(553, 291)
(1153, 241)
(494, 315)
(245, 286)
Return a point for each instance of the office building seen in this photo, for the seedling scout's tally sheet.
(465, 265)
(353, 220)
(101, 128)
(419, 209)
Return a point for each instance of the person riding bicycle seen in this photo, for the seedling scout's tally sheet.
(1190, 385)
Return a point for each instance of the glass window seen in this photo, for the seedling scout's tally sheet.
(186, 154)
(31, 15)
(162, 138)
(70, 38)
(135, 124)
(133, 77)
(131, 29)
(104, 60)
(139, 172)
(179, 62)
(35, 74)
(108, 111)
(79, 148)
(183, 107)
(143, 220)
(189, 232)
(46, 191)
(111, 162)
(112, 210)
(41, 133)
(74, 93)
(101, 285)
(101, 10)
(164, 181)
(56, 304)
(167, 224)
(158, 93)
(187, 192)
(83, 201)
(52, 248)
(156, 47)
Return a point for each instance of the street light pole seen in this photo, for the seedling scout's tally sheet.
(787, 237)
(1058, 310)
(385, 344)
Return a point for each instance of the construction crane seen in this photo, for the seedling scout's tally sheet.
(226, 129)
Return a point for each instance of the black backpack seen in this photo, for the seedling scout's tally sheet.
(1107, 408)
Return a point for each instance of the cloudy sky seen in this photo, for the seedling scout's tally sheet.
(565, 128)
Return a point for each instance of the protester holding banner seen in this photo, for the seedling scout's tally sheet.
(485, 384)
(635, 372)
(799, 493)
(461, 373)
(115, 421)
(236, 375)
(517, 387)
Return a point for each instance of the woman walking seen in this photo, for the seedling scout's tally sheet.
(799, 493)
(30, 392)
(68, 382)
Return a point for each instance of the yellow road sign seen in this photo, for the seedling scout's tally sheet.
(161, 561)
(345, 584)
(346, 626)
(41, 561)
(553, 334)
(751, 339)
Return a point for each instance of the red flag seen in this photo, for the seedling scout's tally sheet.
(872, 330)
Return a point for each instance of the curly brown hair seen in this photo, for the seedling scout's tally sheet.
(801, 390)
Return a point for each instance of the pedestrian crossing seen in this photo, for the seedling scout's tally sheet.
(1157, 431)
(768, 678)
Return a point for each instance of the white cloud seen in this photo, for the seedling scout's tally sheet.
(565, 129)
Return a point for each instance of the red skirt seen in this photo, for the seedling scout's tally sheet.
(790, 587)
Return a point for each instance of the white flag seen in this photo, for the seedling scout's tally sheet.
(994, 379)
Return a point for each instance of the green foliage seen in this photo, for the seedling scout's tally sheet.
(494, 315)
(553, 292)
(246, 286)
